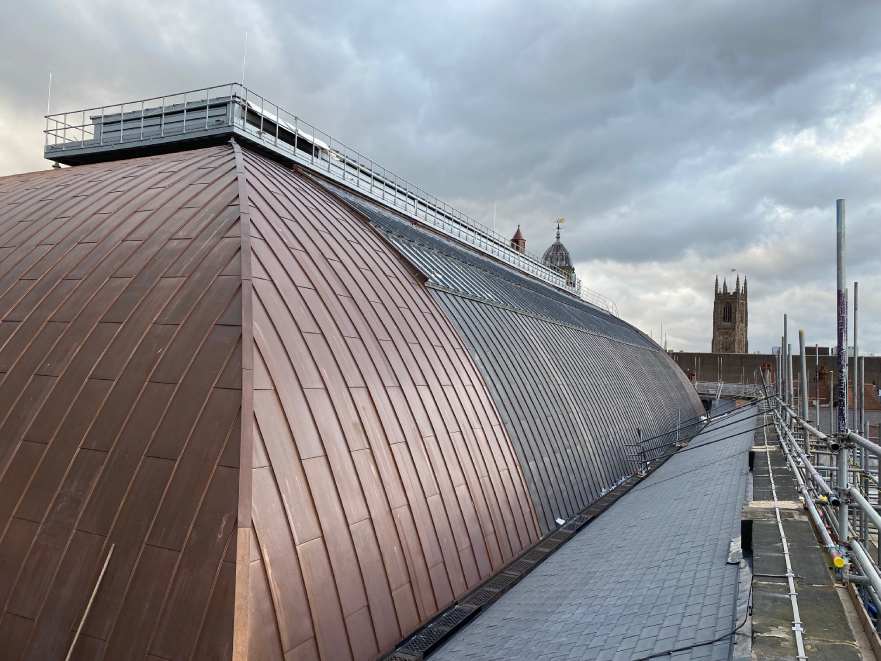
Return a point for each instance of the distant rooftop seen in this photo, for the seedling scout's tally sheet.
(210, 114)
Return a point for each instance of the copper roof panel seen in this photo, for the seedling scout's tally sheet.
(79, 344)
(366, 309)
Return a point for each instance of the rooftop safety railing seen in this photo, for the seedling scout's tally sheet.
(233, 108)
(837, 478)
(718, 389)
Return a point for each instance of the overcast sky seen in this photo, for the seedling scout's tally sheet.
(678, 139)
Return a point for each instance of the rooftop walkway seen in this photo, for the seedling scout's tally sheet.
(650, 575)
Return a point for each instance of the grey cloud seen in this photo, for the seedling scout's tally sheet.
(649, 125)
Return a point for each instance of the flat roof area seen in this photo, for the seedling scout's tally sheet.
(651, 574)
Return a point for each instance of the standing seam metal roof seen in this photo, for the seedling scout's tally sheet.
(571, 382)
(215, 368)
(119, 407)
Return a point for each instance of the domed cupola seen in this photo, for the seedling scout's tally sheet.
(557, 256)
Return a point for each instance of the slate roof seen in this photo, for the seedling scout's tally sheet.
(648, 575)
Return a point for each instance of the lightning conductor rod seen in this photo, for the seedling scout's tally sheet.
(841, 364)
(244, 57)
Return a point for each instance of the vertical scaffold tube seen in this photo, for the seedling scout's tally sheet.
(803, 376)
(785, 349)
(855, 420)
(841, 364)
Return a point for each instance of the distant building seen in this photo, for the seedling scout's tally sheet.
(730, 319)
(557, 257)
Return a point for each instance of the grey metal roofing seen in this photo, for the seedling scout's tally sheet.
(572, 383)
(649, 575)
(210, 115)
(452, 266)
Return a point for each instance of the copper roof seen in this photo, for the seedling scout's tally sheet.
(283, 430)
(145, 314)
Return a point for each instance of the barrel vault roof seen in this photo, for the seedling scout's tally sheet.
(260, 418)
(253, 415)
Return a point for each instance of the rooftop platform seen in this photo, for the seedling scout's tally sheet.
(214, 114)
(651, 574)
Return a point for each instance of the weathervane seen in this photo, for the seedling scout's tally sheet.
(559, 221)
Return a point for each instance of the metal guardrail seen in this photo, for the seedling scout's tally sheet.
(719, 389)
(841, 507)
(233, 108)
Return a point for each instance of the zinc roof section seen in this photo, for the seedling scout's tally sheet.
(573, 384)
(648, 575)
(454, 266)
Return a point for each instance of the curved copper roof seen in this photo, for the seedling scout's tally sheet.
(286, 430)
(381, 465)
(212, 367)
(120, 341)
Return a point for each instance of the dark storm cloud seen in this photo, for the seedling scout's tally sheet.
(679, 139)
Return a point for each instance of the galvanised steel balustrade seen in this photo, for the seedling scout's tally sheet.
(810, 452)
(82, 135)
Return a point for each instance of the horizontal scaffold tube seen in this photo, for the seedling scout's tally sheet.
(874, 448)
(824, 487)
(812, 509)
(804, 423)
(865, 565)
(865, 505)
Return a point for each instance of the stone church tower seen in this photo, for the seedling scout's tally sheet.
(730, 319)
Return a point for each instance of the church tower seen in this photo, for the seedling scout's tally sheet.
(730, 319)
